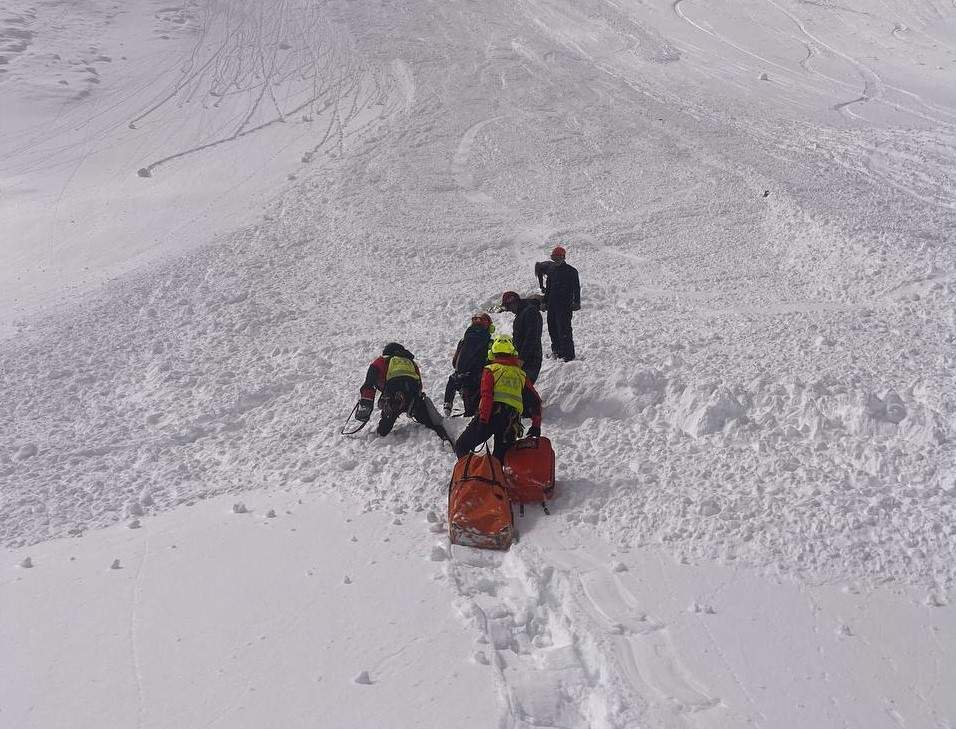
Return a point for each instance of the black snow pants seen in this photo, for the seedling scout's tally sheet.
(406, 396)
(559, 329)
(503, 426)
(469, 389)
(532, 369)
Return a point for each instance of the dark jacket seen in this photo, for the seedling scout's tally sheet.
(563, 290)
(527, 333)
(472, 352)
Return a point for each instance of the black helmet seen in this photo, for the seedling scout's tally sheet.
(394, 348)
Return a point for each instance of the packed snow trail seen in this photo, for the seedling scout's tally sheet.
(584, 634)
(766, 339)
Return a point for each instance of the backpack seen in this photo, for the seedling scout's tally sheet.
(479, 507)
(529, 465)
(472, 352)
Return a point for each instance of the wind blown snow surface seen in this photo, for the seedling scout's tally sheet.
(215, 214)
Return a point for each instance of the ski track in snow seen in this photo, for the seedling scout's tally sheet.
(459, 165)
(766, 372)
(133, 630)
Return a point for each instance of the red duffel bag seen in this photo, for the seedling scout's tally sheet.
(529, 464)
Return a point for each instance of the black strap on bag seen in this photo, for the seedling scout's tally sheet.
(470, 477)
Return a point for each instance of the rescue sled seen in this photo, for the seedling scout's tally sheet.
(529, 465)
(479, 506)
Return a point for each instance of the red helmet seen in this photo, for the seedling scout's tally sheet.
(558, 252)
(482, 320)
(509, 299)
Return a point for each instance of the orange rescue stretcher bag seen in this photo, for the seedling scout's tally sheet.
(529, 465)
(479, 507)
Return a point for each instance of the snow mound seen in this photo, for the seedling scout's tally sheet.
(705, 409)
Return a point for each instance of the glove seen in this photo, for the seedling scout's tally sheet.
(534, 431)
(576, 307)
(363, 410)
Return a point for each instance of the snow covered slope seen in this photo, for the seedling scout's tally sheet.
(216, 104)
(755, 446)
(268, 617)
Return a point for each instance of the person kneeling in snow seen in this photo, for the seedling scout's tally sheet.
(470, 357)
(503, 385)
(396, 375)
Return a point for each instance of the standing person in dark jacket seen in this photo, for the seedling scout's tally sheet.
(469, 360)
(526, 332)
(504, 389)
(562, 295)
(396, 375)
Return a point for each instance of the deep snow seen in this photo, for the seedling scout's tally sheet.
(757, 477)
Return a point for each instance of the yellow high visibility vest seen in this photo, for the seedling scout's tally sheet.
(509, 384)
(401, 367)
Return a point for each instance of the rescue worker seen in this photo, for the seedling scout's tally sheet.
(526, 331)
(396, 375)
(562, 295)
(469, 360)
(503, 385)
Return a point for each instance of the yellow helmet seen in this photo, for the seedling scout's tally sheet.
(502, 345)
